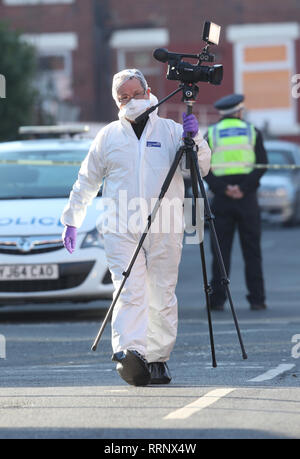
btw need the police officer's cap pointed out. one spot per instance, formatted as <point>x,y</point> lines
<point>230,104</point>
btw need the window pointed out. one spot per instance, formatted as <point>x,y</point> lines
<point>264,63</point>
<point>55,75</point>
<point>134,49</point>
<point>37,180</point>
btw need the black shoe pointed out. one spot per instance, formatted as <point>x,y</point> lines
<point>160,373</point>
<point>258,306</point>
<point>132,367</point>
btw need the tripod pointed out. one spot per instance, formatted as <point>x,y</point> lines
<point>190,92</point>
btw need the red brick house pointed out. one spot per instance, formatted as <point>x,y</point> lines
<point>259,48</point>
<point>72,48</point>
<point>82,43</point>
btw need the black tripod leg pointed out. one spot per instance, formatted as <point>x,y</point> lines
<point>225,280</point>
<point>207,288</point>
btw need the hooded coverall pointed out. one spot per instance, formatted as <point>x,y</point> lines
<point>145,316</point>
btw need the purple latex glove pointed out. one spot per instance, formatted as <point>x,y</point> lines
<point>190,124</point>
<point>69,238</point>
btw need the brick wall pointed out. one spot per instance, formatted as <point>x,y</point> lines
<point>95,20</point>
<point>184,20</point>
<point>189,15</point>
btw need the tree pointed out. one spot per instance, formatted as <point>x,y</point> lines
<point>18,67</point>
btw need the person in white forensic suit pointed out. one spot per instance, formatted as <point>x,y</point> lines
<point>133,160</point>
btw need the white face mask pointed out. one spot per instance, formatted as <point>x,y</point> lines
<point>134,108</point>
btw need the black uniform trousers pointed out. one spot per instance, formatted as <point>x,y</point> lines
<point>242,215</point>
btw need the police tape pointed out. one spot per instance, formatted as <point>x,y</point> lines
<point>255,166</point>
<point>40,162</point>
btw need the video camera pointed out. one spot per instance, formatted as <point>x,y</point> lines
<point>189,73</point>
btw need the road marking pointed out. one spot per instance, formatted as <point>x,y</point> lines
<point>202,402</point>
<point>270,374</point>
<point>116,390</point>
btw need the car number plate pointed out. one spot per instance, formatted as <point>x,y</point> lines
<point>28,272</point>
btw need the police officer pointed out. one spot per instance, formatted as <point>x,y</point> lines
<point>134,157</point>
<point>235,205</point>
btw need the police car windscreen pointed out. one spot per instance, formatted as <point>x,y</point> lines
<point>38,174</point>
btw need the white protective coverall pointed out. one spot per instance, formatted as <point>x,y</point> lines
<point>145,316</point>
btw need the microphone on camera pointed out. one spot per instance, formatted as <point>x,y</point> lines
<point>161,54</point>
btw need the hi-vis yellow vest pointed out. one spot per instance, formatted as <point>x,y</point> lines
<point>232,141</point>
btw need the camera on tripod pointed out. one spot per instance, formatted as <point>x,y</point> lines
<point>189,73</point>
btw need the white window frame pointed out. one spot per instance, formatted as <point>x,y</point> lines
<point>55,44</point>
<point>280,121</point>
<point>131,40</point>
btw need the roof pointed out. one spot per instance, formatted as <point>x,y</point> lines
<point>45,144</point>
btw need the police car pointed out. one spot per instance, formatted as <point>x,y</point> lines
<point>279,191</point>
<point>36,177</point>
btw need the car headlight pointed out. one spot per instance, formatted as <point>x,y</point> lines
<point>279,192</point>
<point>93,238</point>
